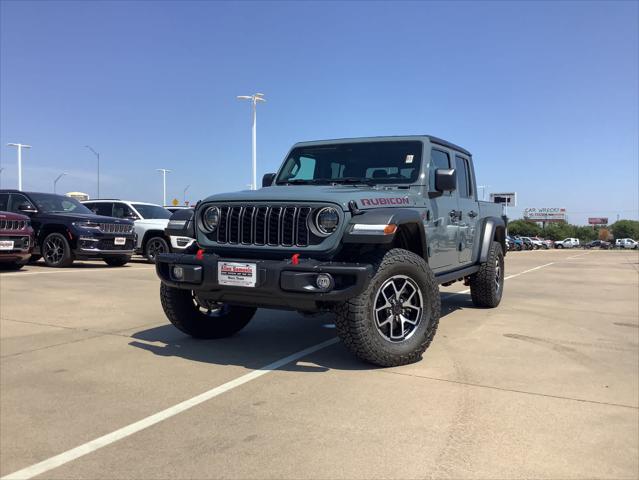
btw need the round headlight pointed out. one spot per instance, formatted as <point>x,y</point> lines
<point>210,218</point>
<point>326,220</point>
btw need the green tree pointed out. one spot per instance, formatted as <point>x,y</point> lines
<point>523,228</point>
<point>625,229</point>
<point>558,231</point>
<point>584,234</point>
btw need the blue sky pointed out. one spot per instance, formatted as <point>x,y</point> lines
<point>544,94</point>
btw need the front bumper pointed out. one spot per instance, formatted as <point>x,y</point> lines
<point>279,283</point>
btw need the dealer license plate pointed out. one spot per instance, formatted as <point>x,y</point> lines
<point>6,244</point>
<point>120,241</point>
<point>237,274</point>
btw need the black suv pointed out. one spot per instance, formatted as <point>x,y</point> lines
<point>66,230</point>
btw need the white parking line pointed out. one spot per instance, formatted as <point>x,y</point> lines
<point>109,438</point>
<point>75,270</point>
<point>505,278</point>
<point>577,256</point>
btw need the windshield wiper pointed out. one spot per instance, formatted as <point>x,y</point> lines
<point>311,181</point>
<point>362,180</point>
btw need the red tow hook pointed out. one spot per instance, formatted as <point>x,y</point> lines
<point>200,254</point>
<point>295,259</point>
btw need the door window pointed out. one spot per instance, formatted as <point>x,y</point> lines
<point>122,210</point>
<point>463,178</point>
<point>438,160</point>
<point>18,199</point>
<point>102,208</point>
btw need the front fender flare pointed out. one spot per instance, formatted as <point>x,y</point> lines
<point>385,216</point>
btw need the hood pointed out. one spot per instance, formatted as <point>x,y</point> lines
<point>12,216</point>
<point>365,196</point>
<point>84,217</point>
<point>153,222</point>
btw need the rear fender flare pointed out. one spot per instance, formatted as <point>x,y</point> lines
<point>493,229</point>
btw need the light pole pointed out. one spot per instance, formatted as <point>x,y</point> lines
<point>97,155</point>
<point>1,168</point>
<point>256,97</point>
<point>19,146</point>
<point>164,172</point>
<point>58,178</point>
<point>184,194</point>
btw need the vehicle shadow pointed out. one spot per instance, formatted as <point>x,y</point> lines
<point>271,335</point>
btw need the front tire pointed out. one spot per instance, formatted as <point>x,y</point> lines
<point>56,251</point>
<point>487,285</point>
<point>155,246</point>
<point>201,319</point>
<point>118,261</point>
<point>394,320</point>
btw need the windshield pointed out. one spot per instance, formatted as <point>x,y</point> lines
<point>151,211</point>
<point>51,203</point>
<point>368,163</point>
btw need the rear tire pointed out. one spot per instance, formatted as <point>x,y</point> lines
<point>118,261</point>
<point>195,317</point>
<point>487,285</point>
<point>56,251</point>
<point>155,246</point>
<point>394,320</point>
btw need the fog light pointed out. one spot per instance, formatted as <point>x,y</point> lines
<point>178,273</point>
<point>324,281</point>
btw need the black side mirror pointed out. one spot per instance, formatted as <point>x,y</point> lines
<point>445,179</point>
<point>27,208</point>
<point>267,179</point>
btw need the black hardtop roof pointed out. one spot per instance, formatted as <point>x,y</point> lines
<point>431,139</point>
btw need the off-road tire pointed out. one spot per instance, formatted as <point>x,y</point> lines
<point>356,320</point>
<point>487,285</point>
<point>149,247</point>
<point>182,311</point>
<point>63,256</point>
<point>118,261</point>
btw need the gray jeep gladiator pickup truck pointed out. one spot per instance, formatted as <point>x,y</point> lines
<point>366,228</point>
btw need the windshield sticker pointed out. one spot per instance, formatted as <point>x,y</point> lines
<point>409,158</point>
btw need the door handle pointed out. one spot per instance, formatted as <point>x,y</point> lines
<point>472,214</point>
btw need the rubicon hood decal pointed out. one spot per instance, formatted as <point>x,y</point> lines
<point>373,202</point>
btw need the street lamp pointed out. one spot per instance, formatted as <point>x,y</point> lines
<point>256,97</point>
<point>164,172</point>
<point>184,194</point>
<point>58,178</point>
<point>19,146</point>
<point>97,155</point>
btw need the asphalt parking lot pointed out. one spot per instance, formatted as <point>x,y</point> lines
<point>545,386</point>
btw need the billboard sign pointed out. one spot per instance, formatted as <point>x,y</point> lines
<point>552,214</point>
<point>597,220</point>
<point>508,199</point>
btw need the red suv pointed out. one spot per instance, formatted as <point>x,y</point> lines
<point>16,240</point>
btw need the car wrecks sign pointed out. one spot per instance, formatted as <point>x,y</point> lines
<point>553,214</point>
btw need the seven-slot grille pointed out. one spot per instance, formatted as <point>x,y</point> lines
<point>116,228</point>
<point>13,224</point>
<point>275,225</point>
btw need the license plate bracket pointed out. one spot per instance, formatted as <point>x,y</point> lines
<point>119,241</point>
<point>7,244</point>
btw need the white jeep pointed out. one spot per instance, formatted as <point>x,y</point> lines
<point>150,221</point>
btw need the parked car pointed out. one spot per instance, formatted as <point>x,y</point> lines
<point>626,243</point>
<point>567,243</point>
<point>598,244</point>
<point>16,239</point>
<point>517,243</point>
<point>65,230</point>
<point>540,242</point>
<point>150,221</point>
<point>528,243</point>
<point>179,228</point>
